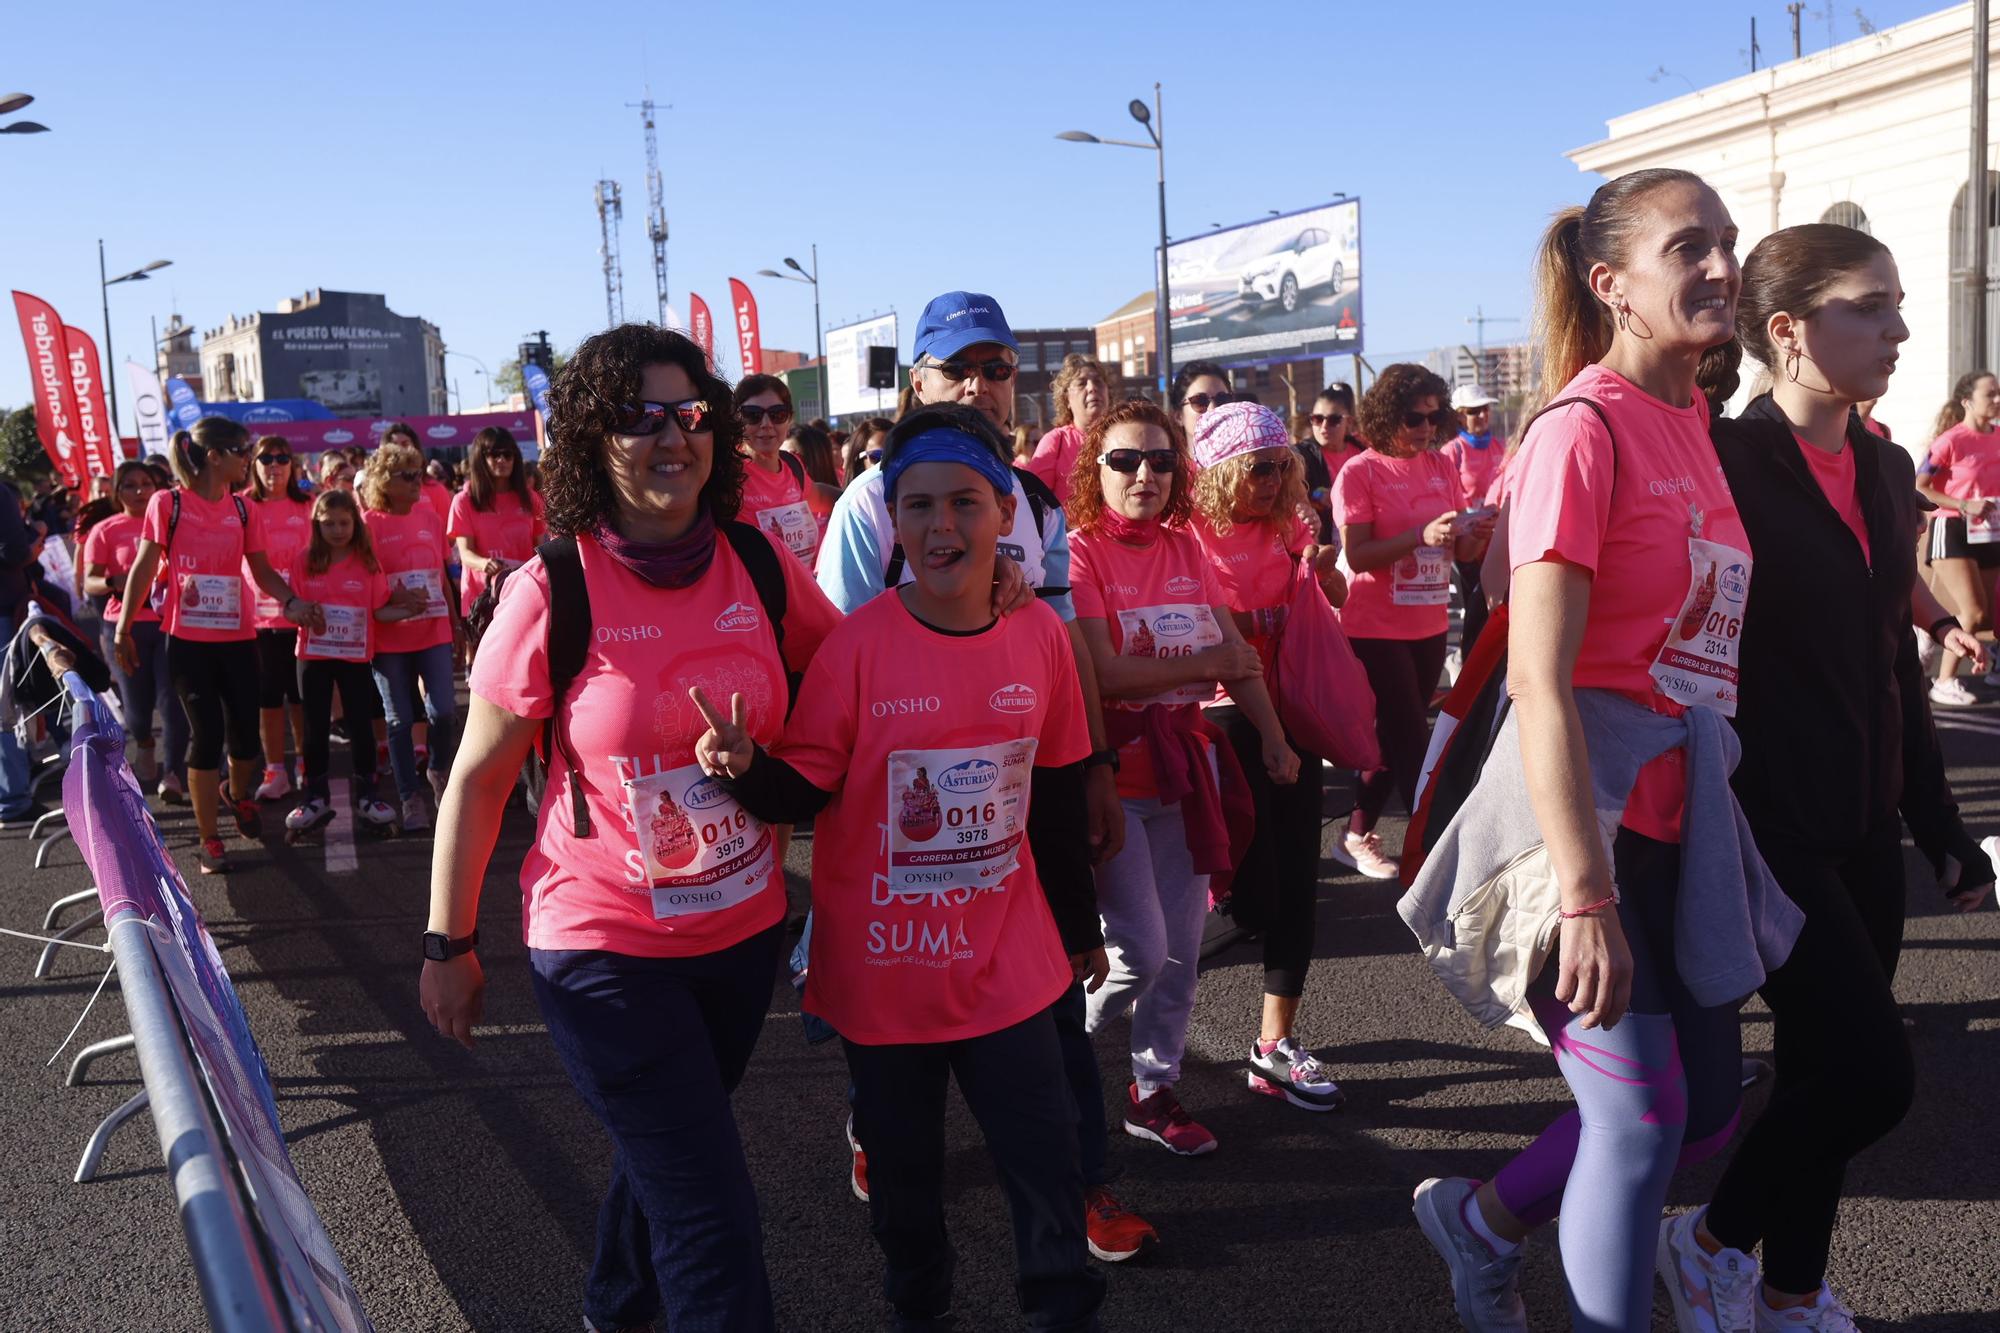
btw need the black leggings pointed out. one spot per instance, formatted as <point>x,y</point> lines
<point>277,668</point>
<point>1404,674</point>
<point>1845,1073</point>
<point>1276,886</point>
<point>217,684</point>
<point>1472,605</point>
<point>317,681</point>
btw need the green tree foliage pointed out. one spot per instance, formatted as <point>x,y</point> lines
<point>21,454</point>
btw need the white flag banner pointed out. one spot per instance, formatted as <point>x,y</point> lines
<point>149,405</point>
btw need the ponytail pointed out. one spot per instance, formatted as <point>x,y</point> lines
<point>1572,325</point>
<point>1953,411</point>
<point>191,448</point>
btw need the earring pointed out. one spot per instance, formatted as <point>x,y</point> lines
<point>1624,319</point>
<point>1792,358</point>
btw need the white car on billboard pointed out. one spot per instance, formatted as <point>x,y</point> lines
<point>1311,259</point>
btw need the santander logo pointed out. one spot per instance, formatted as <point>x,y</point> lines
<point>738,617</point>
<point>1015,698</point>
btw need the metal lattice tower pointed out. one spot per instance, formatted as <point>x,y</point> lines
<point>656,205</point>
<point>610,213</point>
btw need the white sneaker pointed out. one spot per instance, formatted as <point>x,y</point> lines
<point>1825,1315</point>
<point>1485,1289</point>
<point>1951,693</point>
<point>1363,851</point>
<point>1523,1021</point>
<point>376,814</point>
<point>1712,1293</point>
<point>172,790</point>
<point>415,816</point>
<point>1927,648</point>
<point>309,816</point>
<point>277,783</point>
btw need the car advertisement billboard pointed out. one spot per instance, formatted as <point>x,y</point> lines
<point>1284,288</point>
<point>847,368</point>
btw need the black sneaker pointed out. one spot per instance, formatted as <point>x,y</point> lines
<point>249,819</point>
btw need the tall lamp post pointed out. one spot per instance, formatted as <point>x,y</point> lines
<point>482,370</point>
<point>798,274</point>
<point>106,284</point>
<point>12,102</point>
<point>1154,123</point>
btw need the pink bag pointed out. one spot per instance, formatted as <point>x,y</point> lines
<point>1318,684</point>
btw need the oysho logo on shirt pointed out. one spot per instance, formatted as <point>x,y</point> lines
<point>633,633</point>
<point>1180,585</point>
<point>738,617</point>
<point>1015,698</point>
<point>1672,486</point>
<point>928,703</point>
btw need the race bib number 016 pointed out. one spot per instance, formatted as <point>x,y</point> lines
<point>429,582</point>
<point>1421,578</point>
<point>957,818</point>
<point>702,851</point>
<point>212,601</point>
<point>1698,664</point>
<point>346,636</point>
<point>1179,630</point>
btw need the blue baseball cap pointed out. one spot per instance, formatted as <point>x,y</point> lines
<point>955,321</point>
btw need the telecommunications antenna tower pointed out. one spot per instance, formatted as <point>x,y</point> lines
<point>656,203</point>
<point>610,213</point>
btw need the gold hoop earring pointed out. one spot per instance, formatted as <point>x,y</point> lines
<point>1624,319</point>
<point>1792,364</point>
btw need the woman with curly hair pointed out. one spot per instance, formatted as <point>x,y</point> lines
<point>1398,506</point>
<point>651,950</point>
<point>1248,501</point>
<point>1082,392</point>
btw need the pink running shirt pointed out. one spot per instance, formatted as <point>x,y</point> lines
<point>775,504</point>
<point>208,599</point>
<point>287,527</point>
<point>1835,475</point>
<point>349,593</point>
<point>410,549</point>
<point>507,531</point>
<point>1967,463</point>
<point>113,542</point>
<point>1395,495</point>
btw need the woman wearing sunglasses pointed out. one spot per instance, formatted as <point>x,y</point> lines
<point>278,492</point>
<point>863,449</point>
<point>1249,503</point>
<point>435,493</point>
<point>1161,637</point>
<point>408,537</point>
<point>1198,387</point>
<point>496,520</point>
<point>1401,524</point>
<point>779,498</point>
<point>652,951</point>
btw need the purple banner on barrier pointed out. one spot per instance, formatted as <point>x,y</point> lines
<point>135,877</point>
<point>436,432</point>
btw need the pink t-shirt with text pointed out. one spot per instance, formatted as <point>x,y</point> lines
<point>287,528</point>
<point>410,549</point>
<point>508,531</point>
<point>1835,475</point>
<point>1394,495</point>
<point>349,593</point>
<point>775,504</point>
<point>1055,459</point>
<point>628,718</point>
<point>1476,466</point>
<point>113,542</point>
<point>1967,463</point>
<point>1253,567</point>
<point>208,599</point>
<point>1631,536</point>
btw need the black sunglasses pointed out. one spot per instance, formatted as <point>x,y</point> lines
<point>649,418</point>
<point>1201,402</point>
<point>778,413</point>
<point>233,450</point>
<point>995,371</point>
<point>1264,467</point>
<point>1328,418</point>
<point>406,476</point>
<point>874,455</point>
<point>269,459</point>
<point>1127,460</point>
<point>1412,420</point>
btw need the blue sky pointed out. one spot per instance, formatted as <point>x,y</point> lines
<point>444,153</point>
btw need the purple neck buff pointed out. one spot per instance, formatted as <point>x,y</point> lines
<point>674,564</point>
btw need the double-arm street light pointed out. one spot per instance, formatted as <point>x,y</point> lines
<point>798,274</point>
<point>12,102</point>
<point>110,366</point>
<point>1152,120</point>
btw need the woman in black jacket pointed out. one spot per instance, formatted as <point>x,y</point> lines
<point>1837,742</point>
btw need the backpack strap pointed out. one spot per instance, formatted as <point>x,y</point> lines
<point>760,559</point>
<point>568,648</point>
<point>793,465</point>
<point>173,519</point>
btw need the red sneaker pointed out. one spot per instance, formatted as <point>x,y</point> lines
<point>857,1178</point>
<point>1115,1233</point>
<point>214,857</point>
<point>1161,1119</point>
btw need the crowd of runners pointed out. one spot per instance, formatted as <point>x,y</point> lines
<point>1043,705</point>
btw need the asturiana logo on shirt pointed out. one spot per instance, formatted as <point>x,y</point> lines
<point>974,775</point>
<point>738,617</point>
<point>1015,698</point>
<point>1173,625</point>
<point>1180,585</point>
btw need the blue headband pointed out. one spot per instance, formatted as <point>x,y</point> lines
<point>945,444</point>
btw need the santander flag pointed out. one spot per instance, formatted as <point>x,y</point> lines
<point>748,340</point>
<point>702,327</point>
<point>93,421</point>
<point>55,401</point>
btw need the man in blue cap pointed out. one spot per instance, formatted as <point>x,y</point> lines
<point>966,353</point>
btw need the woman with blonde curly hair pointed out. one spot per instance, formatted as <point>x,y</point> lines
<point>1160,634</point>
<point>1082,392</point>
<point>1247,502</point>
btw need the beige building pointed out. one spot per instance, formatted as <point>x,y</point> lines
<point>1873,133</point>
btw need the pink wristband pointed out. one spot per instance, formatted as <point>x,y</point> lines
<point>1587,909</point>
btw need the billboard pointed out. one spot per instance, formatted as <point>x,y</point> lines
<point>1280,289</point>
<point>847,368</point>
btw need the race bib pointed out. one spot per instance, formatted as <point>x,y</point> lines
<point>792,525</point>
<point>1698,664</point>
<point>703,852</point>
<point>346,635</point>
<point>1981,531</point>
<point>430,582</point>
<point>211,601</point>
<point>957,818</point>
<point>1421,578</point>
<point>1177,630</point>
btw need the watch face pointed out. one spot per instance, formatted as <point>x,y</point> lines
<point>436,947</point>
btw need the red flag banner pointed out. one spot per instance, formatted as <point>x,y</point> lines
<point>748,339</point>
<point>93,420</point>
<point>55,404</point>
<point>702,326</point>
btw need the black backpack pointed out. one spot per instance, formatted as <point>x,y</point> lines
<point>569,643</point>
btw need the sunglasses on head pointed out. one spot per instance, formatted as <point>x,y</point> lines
<point>1416,420</point>
<point>649,418</point>
<point>1127,460</point>
<point>778,413</point>
<point>1264,467</point>
<point>271,460</point>
<point>1328,418</point>
<point>1201,402</point>
<point>994,371</point>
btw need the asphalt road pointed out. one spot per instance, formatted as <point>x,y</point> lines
<point>460,1187</point>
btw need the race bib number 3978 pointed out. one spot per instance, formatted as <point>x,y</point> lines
<point>957,818</point>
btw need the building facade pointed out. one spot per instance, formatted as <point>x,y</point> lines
<point>1874,134</point>
<point>346,350</point>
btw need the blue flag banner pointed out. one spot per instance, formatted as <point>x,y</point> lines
<point>537,381</point>
<point>183,408</point>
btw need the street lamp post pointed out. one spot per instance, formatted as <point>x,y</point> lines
<point>105,285</point>
<point>819,344</point>
<point>482,370</point>
<point>12,102</point>
<point>1155,129</point>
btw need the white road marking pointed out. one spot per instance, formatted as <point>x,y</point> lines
<point>340,859</point>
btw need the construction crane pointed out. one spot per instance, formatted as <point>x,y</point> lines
<point>656,203</point>
<point>610,214</point>
<point>1480,319</point>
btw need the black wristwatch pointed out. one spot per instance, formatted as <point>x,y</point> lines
<point>439,947</point>
<point>1108,758</point>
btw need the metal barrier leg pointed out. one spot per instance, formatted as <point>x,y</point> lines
<point>49,845</point>
<point>69,932</point>
<point>36,831</point>
<point>90,1055</point>
<point>93,1151</point>
<point>53,770</point>
<point>60,905</point>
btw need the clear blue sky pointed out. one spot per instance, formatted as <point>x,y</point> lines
<point>444,154</point>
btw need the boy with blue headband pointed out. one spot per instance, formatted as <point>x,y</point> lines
<point>940,749</point>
